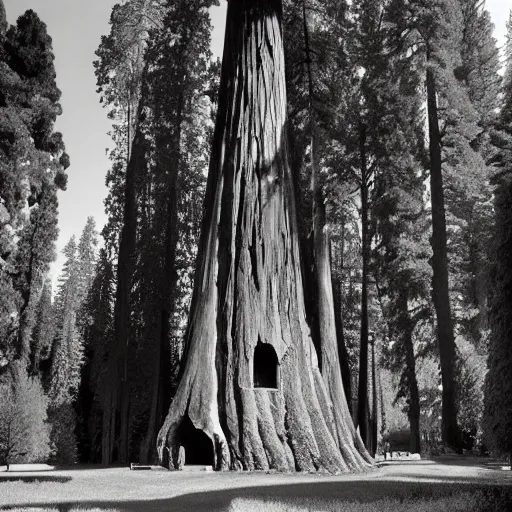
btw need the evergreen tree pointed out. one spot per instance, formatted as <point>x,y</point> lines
<point>32,168</point>
<point>433,31</point>
<point>162,193</point>
<point>96,332</point>
<point>66,352</point>
<point>86,253</point>
<point>498,384</point>
<point>24,431</point>
<point>399,223</point>
<point>44,333</point>
<point>3,19</point>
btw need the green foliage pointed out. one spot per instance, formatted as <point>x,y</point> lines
<point>24,431</point>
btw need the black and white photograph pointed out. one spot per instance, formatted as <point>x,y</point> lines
<point>256,255</point>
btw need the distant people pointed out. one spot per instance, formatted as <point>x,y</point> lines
<point>387,450</point>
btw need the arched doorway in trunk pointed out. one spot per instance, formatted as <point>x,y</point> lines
<point>266,366</point>
<point>198,446</point>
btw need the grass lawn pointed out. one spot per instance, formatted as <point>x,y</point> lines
<point>451,486</point>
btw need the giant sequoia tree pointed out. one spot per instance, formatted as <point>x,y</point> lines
<point>32,167</point>
<point>247,324</point>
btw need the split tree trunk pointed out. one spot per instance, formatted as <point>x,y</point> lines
<point>248,286</point>
<point>440,290</point>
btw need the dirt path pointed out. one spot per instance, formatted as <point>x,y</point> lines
<point>160,490</point>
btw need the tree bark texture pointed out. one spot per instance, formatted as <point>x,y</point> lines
<point>440,290</point>
<point>248,286</point>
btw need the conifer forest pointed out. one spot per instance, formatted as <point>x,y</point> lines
<point>307,258</point>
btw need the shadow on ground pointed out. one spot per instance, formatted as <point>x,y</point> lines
<point>351,491</point>
<point>30,479</point>
<point>457,460</point>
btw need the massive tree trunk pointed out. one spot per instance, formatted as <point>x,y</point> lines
<point>248,295</point>
<point>362,394</point>
<point>440,290</point>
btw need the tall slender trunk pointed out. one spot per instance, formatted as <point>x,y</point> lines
<point>414,395</point>
<point>440,290</point>
<point>342,347</point>
<point>405,330</point>
<point>375,414</point>
<point>118,419</point>
<point>362,395</point>
<point>161,396</point>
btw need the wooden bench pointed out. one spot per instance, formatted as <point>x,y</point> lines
<point>134,466</point>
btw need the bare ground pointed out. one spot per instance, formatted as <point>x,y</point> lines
<point>160,490</point>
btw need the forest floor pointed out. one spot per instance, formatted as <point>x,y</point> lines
<point>119,489</point>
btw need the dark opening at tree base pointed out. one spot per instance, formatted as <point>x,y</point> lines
<point>198,446</point>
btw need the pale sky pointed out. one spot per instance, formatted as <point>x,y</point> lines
<point>76,27</point>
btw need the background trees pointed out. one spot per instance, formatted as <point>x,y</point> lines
<point>157,203</point>
<point>498,408</point>
<point>24,431</point>
<point>33,165</point>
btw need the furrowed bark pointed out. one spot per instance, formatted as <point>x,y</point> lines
<point>248,287</point>
<point>440,290</point>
